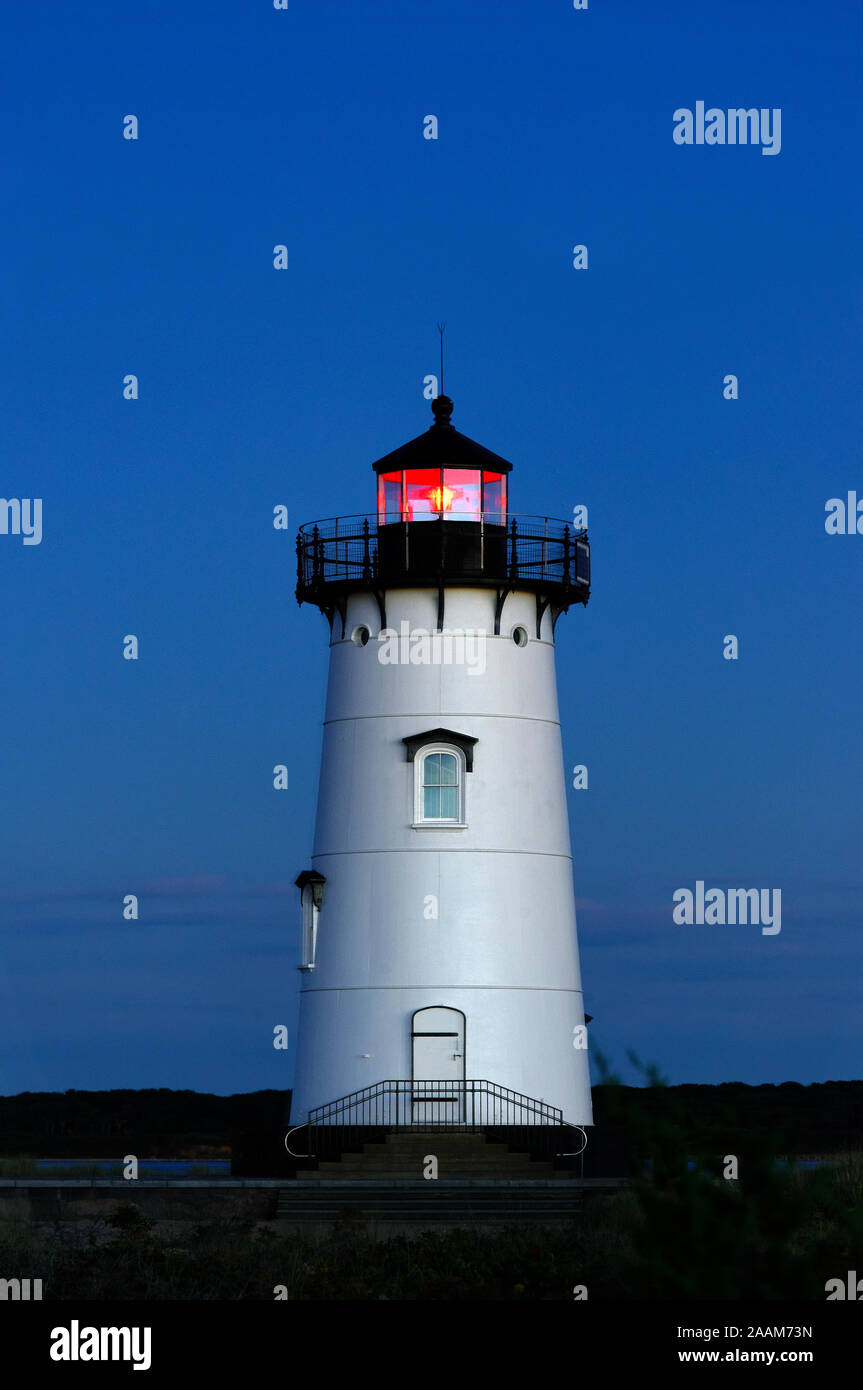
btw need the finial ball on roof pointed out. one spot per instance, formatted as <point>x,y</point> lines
<point>441,409</point>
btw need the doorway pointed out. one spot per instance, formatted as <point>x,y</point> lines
<point>438,1066</point>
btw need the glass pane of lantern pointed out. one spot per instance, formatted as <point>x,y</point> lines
<point>494,498</point>
<point>448,772</point>
<point>448,803</point>
<point>389,497</point>
<point>461,493</point>
<point>422,493</point>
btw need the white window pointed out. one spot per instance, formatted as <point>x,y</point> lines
<point>439,785</point>
<point>310,929</point>
<point>442,758</point>
<point>311,886</point>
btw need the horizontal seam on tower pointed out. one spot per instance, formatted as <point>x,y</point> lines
<point>444,714</point>
<point>489,636</point>
<point>531,989</point>
<point>448,849</point>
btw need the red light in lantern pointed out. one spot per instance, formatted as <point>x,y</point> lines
<point>441,498</point>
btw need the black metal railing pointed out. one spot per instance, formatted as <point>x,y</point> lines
<point>428,1105</point>
<point>355,551</point>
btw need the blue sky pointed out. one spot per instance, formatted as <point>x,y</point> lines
<point>260,387</point>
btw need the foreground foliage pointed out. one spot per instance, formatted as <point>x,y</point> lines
<point>770,1235</point>
<point>683,1229</point>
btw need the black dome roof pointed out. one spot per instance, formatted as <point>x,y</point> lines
<point>441,446</point>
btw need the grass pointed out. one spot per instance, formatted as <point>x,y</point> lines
<point>770,1233</point>
<point>768,1236</point>
<point>23,1166</point>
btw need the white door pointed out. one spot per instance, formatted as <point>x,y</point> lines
<point>437,1040</point>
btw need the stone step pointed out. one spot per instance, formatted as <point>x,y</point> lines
<point>378,1204</point>
<point>386,1174</point>
<point>502,1210</point>
<point>485,1151</point>
<point>417,1161</point>
<point>460,1154</point>
<point>329,1172</point>
<point>310,1202</point>
<point>445,1139</point>
<point>426,1217</point>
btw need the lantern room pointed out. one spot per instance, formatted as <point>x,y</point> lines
<point>443,518</point>
<point>442,476</point>
<point>428,494</point>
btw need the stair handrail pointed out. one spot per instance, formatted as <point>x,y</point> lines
<point>583,1134</point>
<point>288,1148</point>
<point>354,1099</point>
<point>367,1094</point>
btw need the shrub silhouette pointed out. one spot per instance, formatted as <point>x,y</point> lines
<point>770,1233</point>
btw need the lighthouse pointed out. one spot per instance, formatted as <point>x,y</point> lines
<point>440,972</point>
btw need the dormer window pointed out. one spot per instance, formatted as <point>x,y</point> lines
<point>440,782</point>
<point>441,760</point>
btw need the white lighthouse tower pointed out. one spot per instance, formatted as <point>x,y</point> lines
<point>441,981</point>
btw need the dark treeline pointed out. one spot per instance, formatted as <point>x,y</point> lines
<point>150,1124</point>
<point>823,1117</point>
